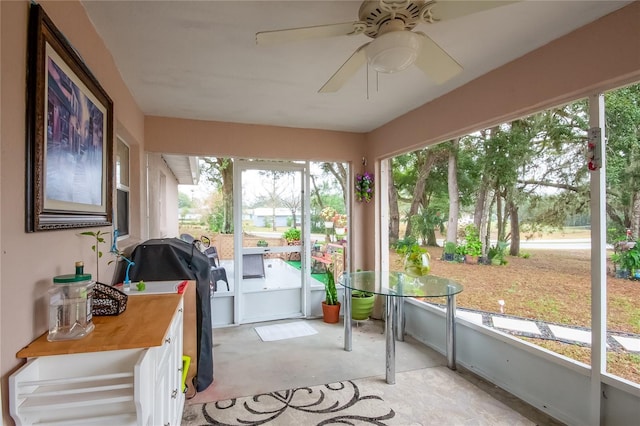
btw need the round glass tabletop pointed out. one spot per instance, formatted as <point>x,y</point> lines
<point>399,284</point>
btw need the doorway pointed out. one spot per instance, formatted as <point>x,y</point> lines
<point>271,229</point>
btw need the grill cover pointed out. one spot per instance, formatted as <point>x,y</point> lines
<point>173,259</point>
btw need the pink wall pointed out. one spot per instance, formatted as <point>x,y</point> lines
<point>601,55</point>
<point>194,137</point>
<point>175,135</point>
<point>29,261</point>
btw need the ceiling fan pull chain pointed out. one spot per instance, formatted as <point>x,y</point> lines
<point>367,81</point>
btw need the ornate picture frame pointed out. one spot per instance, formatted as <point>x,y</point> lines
<point>69,172</point>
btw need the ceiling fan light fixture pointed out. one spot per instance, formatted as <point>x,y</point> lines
<point>393,51</point>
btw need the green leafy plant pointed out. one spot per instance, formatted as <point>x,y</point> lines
<point>473,246</point>
<point>628,260</point>
<point>415,260</point>
<point>361,294</point>
<point>141,286</point>
<point>497,253</point>
<point>292,234</point>
<point>262,243</point>
<point>401,246</point>
<point>98,237</point>
<point>331,294</point>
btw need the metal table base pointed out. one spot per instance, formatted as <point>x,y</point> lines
<point>394,329</point>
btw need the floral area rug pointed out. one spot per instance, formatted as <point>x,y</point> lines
<point>335,403</point>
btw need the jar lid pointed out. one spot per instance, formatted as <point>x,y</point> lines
<point>71,278</point>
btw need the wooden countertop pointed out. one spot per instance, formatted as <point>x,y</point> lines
<point>143,324</point>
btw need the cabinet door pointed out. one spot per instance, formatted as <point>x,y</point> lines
<point>144,390</point>
<point>169,400</point>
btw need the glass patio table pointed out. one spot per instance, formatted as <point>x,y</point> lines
<point>395,286</point>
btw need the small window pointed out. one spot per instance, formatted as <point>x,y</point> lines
<point>122,188</point>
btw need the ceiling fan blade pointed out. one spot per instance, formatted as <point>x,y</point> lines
<point>435,62</point>
<point>346,71</point>
<point>444,10</point>
<point>265,38</point>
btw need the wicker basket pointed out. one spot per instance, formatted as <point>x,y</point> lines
<point>108,300</point>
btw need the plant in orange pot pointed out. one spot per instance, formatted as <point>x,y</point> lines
<point>330,306</point>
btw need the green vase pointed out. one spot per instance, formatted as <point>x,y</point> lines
<point>361,305</point>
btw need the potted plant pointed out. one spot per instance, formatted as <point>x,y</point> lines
<point>417,261</point>
<point>449,251</point>
<point>327,215</point>
<point>361,304</point>
<point>627,262</point>
<point>340,223</point>
<point>330,305</point>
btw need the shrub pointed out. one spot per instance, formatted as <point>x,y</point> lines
<point>292,234</point>
<point>472,239</point>
<point>497,253</point>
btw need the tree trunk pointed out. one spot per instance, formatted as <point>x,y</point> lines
<point>225,165</point>
<point>481,200</point>
<point>316,192</point>
<point>418,190</point>
<point>394,215</point>
<point>484,231</point>
<point>431,238</point>
<point>514,249</point>
<point>454,200</point>
<point>499,215</point>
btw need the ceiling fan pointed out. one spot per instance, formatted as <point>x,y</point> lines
<point>395,46</point>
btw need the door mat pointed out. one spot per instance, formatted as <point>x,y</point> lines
<point>269,333</point>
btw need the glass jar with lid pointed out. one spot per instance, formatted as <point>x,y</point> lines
<point>70,307</point>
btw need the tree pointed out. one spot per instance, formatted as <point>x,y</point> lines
<point>184,201</point>
<point>424,225</point>
<point>219,171</point>
<point>427,159</point>
<point>273,191</point>
<point>339,172</point>
<point>394,214</point>
<point>622,109</point>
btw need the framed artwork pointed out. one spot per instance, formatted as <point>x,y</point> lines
<point>69,135</point>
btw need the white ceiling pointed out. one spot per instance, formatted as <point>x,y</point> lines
<point>199,59</point>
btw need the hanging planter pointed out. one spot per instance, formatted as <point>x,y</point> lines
<point>364,187</point>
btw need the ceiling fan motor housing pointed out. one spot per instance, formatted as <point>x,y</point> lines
<point>409,13</point>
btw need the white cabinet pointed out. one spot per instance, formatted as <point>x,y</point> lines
<point>139,386</point>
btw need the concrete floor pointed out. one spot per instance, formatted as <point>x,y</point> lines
<point>244,365</point>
